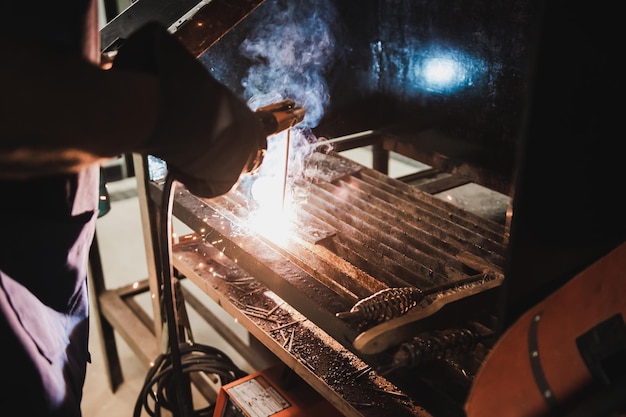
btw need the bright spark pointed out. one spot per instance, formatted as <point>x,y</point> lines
<point>273,218</point>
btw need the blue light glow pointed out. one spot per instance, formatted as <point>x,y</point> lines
<point>442,73</point>
<point>412,69</point>
<point>445,71</point>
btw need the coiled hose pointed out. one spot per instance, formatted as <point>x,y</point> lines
<point>167,384</point>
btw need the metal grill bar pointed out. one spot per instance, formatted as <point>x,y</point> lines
<point>371,232</point>
<point>423,210</point>
<point>379,226</point>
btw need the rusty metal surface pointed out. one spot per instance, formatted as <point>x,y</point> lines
<point>197,24</point>
<point>350,384</point>
<point>212,21</point>
<point>373,232</point>
<point>359,232</point>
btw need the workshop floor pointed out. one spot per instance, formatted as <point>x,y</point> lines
<point>120,238</point>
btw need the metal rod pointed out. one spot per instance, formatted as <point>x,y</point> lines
<point>342,138</point>
<point>282,204</point>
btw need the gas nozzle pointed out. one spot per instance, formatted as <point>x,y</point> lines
<point>279,116</point>
<point>275,118</point>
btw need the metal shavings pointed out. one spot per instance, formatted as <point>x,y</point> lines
<point>235,301</point>
<point>304,362</point>
<point>253,311</point>
<point>257,309</point>
<point>241,279</point>
<point>360,404</point>
<point>394,393</point>
<point>286,338</point>
<point>290,340</point>
<point>274,309</point>
<point>247,290</point>
<point>291,323</point>
<point>360,372</point>
<point>257,315</point>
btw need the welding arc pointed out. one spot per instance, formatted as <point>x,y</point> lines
<point>277,117</point>
<point>389,303</point>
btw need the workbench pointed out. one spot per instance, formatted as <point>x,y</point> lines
<point>346,381</point>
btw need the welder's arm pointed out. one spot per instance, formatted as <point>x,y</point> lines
<point>59,113</point>
<point>205,133</point>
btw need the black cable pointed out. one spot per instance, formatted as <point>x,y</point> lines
<point>159,387</point>
<point>164,233</point>
<point>167,383</point>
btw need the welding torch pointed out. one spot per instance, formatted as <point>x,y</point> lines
<point>274,118</point>
<point>279,116</point>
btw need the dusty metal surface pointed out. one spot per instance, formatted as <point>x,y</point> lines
<point>345,380</point>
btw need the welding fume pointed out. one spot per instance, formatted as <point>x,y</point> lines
<point>214,173</point>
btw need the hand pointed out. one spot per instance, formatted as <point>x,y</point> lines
<point>206,134</point>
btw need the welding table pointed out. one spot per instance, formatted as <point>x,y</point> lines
<point>283,319</point>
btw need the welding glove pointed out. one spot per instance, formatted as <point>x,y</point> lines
<point>207,135</point>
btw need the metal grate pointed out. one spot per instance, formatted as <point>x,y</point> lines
<point>357,232</point>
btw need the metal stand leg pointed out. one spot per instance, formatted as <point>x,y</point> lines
<point>107,334</point>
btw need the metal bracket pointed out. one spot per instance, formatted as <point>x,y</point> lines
<point>535,364</point>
